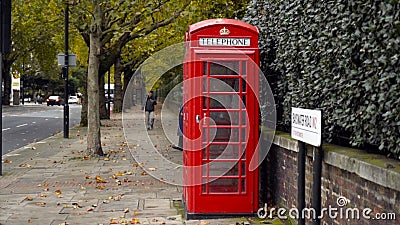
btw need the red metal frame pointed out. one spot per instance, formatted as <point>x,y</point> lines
<point>206,191</point>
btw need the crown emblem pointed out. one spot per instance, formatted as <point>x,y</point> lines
<point>224,31</point>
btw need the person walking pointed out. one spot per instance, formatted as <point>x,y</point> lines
<point>149,110</point>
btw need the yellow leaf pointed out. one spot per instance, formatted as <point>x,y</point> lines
<point>119,174</point>
<point>135,221</point>
<point>28,198</point>
<point>25,165</point>
<point>57,192</point>
<point>41,203</point>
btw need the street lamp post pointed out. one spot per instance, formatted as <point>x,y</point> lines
<point>65,74</point>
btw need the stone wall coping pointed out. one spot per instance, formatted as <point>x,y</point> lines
<point>372,167</point>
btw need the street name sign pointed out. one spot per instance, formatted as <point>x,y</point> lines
<point>307,126</point>
<point>71,59</point>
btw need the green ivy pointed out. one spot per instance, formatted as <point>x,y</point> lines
<point>341,56</point>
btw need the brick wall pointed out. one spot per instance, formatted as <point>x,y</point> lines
<point>344,174</point>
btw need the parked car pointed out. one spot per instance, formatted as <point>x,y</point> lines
<point>73,99</point>
<point>54,100</point>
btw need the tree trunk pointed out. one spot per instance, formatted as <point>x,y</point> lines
<point>118,94</point>
<point>102,98</point>
<point>84,111</point>
<point>93,134</point>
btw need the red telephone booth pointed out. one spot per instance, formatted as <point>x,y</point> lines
<point>220,119</point>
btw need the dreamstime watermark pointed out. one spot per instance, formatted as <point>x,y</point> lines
<point>340,212</point>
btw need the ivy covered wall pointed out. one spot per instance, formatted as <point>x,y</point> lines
<point>341,56</point>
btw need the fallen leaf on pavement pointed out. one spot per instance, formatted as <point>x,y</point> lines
<point>7,161</point>
<point>118,197</point>
<point>135,221</point>
<point>25,165</point>
<point>58,192</point>
<point>40,204</point>
<point>113,221</point>
<point>76,205</point>
<point>100,180</point>
<point>65,223</point>
<point>152,169</point>
<point>126,210</point>
<point>28,198</point>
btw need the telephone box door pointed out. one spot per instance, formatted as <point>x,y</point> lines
<point>226,122</point>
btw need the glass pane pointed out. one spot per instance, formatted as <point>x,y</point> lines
<point>244,135</point>
<point>222,185</point>
<point>244,85</point>
<point>205,84</point>
<point>224,85</point>
<point>243,185</point>
<point>225,118</point>
<point>204,134</point>
<point>243,103</point>
<point>243,169</point>
<point>205,68</point>
<point>223,169</point>
<point>244,67</point>
<point>244,118</point>
<point>224,151</point>
<point>224,68</point>
<point>224,101</point>
<point>224,135</point>
<point>204,185</point>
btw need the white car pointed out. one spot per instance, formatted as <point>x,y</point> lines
<point>73,100</point>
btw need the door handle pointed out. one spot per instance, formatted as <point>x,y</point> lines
<point>197,118</point>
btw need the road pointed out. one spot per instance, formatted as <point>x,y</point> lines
<point>27,124</point>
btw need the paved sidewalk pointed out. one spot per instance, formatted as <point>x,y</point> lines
<point>52,182</point>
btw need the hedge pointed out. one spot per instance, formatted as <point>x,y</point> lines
<point>341,56</point>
